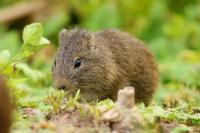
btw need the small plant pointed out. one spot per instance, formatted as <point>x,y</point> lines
<point>32,40</point>
<point>73,101</point>
<point>55,100</point>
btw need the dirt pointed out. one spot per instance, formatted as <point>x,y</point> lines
<point>122,118</point>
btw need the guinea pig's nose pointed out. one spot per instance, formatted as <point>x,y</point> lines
<point>61,87</point>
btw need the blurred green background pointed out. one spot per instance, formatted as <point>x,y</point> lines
<point>170,28</point>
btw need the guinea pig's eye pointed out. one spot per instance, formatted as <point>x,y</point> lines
<point>77,63</point>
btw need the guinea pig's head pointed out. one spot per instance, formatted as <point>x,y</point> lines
<point>79,64</point>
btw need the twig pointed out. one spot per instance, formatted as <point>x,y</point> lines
<point>21,10</point>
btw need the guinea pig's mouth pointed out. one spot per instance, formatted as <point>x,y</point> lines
<point>70,88</point>
<point>65,88</point>
<point>61,87</point>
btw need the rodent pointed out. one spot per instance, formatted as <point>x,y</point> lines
<point>5,107</point>
<point>100,63</point>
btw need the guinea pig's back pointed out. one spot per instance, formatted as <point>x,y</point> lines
<point>134,61</point>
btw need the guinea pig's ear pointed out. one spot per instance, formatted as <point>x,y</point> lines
<point>62,36</point>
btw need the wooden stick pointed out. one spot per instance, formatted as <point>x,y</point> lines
<point>21,10</point>
<point>5,107</point>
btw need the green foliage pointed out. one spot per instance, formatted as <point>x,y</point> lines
<point>180,130</point>
<point>176,114</point>
<point>32,36</point>
<point>98,19</point>
<point>10,41</point>
<point>73,101</point>
<point>55,99</point>
<point>107,104</point>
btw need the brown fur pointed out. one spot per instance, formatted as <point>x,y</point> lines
<point>5,108</point>
<point>111,60</point>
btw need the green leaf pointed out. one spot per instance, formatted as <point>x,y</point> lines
<point>4,56</point>
<point>32,33</point>
<point>182,129</point>
<point>34,75</point>
<point>10,41</point>
<point>43,41</point>
<point>25,54</point>
<point>77,95</point>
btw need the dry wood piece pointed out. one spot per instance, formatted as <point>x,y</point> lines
<point>124,117</point>
<point>5,108</point>
<point>21,10</point>
<point>126,97</point>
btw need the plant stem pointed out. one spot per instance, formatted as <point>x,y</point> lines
<point>14,58</point>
